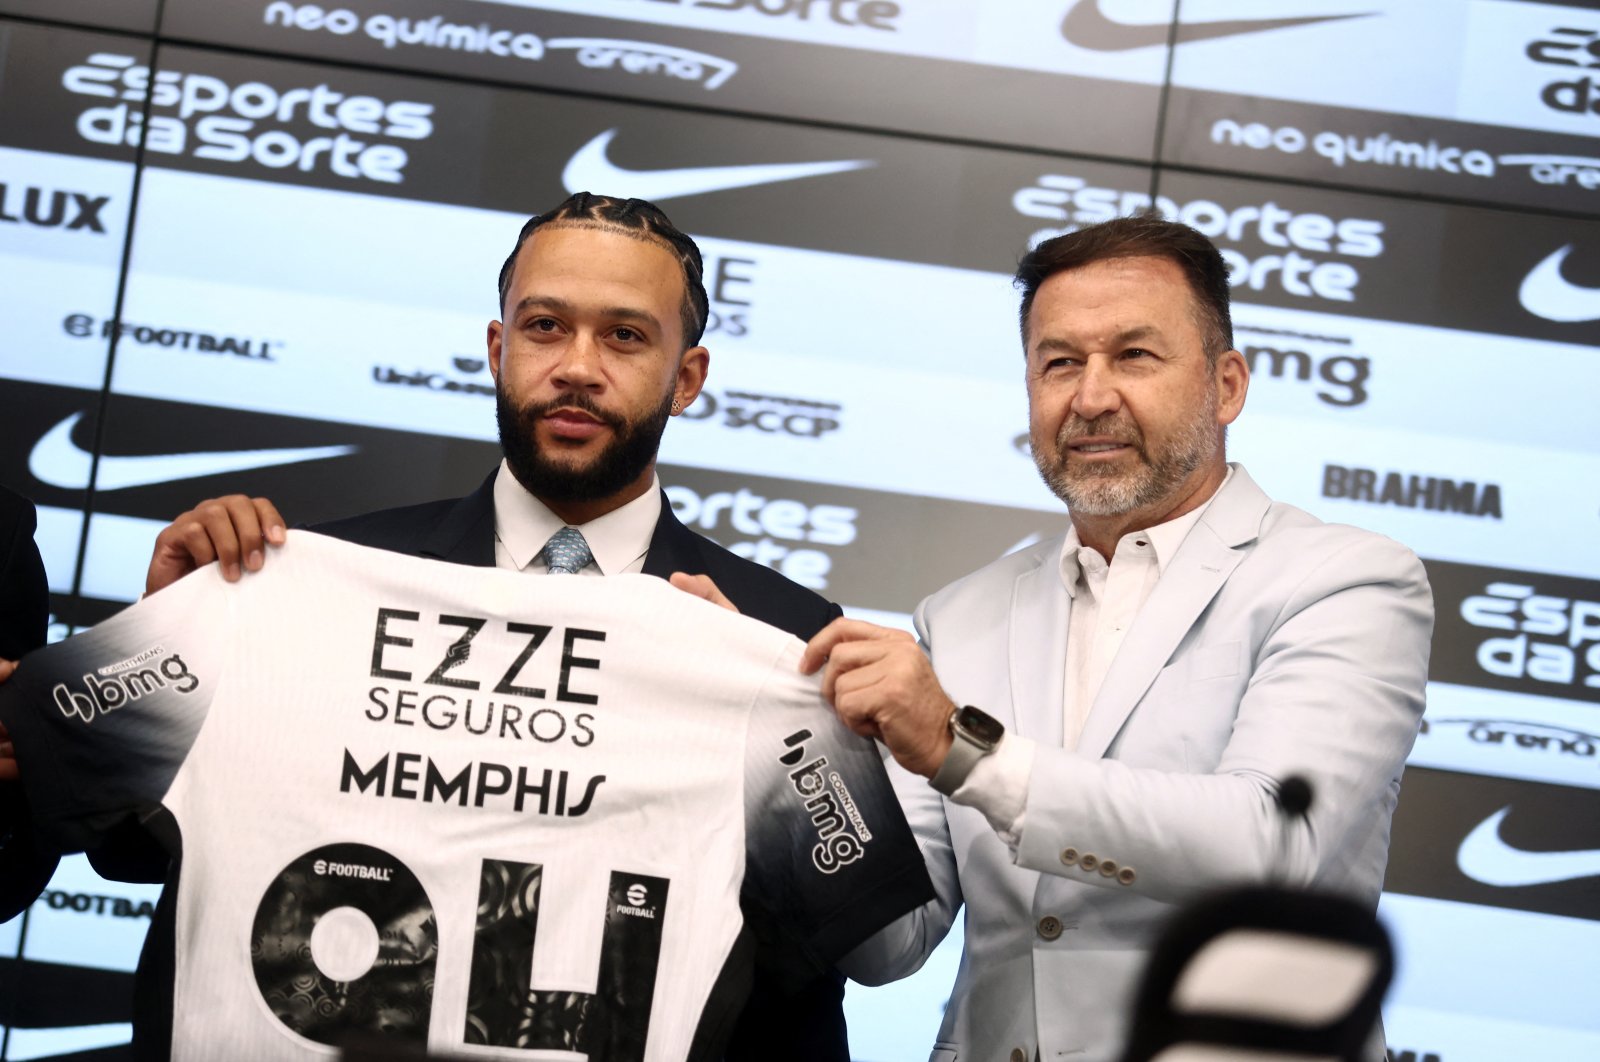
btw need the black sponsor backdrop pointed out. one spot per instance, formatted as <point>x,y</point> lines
<point>1439,810</point>
<point>508,150</point>
<point>858,549</point>
<point>922,200</point>
<point>1442,265</point>
<point>1527,632</point>
<point>100,14</point>
<point>1401,266</point>
<point>1327,144</point>
<point>35,111</point>
<point>51,50</point>
<point>48,115</point>
<point>861,87</point>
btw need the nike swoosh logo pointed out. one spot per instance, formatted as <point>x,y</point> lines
<point>1485,857</point>
<point>1548,294</point>
<point>1086,26</point>
<point>589,170</point>
<point>60,462</point>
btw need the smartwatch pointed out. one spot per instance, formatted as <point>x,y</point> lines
<point>974,735</point>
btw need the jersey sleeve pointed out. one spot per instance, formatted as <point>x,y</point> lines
<point>830,859</point>
<point>102,721</point>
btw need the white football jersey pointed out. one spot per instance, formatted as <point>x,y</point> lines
<point>501,816</point>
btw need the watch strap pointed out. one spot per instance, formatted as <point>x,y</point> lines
<point>964,754</point>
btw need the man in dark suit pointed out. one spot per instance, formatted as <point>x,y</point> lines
<point>603,307</point>
<point>25,869</point>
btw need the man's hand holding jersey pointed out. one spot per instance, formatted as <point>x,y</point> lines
<point>880,682</point>
<point>234,531</point>
<point>8,752</point>
<point>237,531</point>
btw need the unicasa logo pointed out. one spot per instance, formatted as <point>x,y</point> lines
<point>223,120</point>
<point>119,685</point>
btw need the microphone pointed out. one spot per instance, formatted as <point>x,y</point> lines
<point>1294,798</point>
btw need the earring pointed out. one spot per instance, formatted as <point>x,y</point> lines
<point>676,407</point>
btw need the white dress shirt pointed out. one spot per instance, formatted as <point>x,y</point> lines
<point>523,524</point>
<point>1106,599</point>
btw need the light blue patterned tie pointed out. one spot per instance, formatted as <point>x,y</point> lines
<point>567,553</point>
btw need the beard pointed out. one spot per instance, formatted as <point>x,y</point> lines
<point>1105,490</point>
<point>632,447</point>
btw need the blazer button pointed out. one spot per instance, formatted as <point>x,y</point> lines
<point>1018,1055</point>
<point>1069,856</point>
<point>1126,875</point>
<point>1088,861</point>
<point>1049,927</point>
<point>1108,867</point>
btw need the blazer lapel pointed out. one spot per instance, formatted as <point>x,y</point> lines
<point>466,533</point>
<point>1202,564</point>
<point>673,547</point>
<point>1037,642</point>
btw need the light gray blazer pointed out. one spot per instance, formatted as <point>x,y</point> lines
<point>1273,644</point>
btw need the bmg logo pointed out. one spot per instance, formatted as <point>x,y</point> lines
<point>119,685</point>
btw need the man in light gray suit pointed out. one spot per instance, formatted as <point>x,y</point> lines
<point>1132,693</point>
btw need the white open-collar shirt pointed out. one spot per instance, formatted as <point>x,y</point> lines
<point>1107,597</point>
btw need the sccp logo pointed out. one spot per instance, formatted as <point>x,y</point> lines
<point>800,418</point>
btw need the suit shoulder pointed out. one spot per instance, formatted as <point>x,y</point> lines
<point>990,587</point>
<point>16,513</point>
<point>764,594</point>
<point>402,529</point>
<point>1292,540</point>
<point>1287,527</point>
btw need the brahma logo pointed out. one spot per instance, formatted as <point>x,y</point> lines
<point>118,685</point>
<point>1064,198</point>
<point>223,122</point>
<point>1434,494</point>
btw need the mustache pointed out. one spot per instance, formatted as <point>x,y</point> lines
<point>584,403</point>
<point>1108,425</point>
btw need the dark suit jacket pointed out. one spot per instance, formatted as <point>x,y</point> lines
<point>805,1025</point>
<point>462,530</point>
<point>25,868</point>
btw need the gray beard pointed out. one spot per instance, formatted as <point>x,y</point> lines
<point>1096,490</point>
